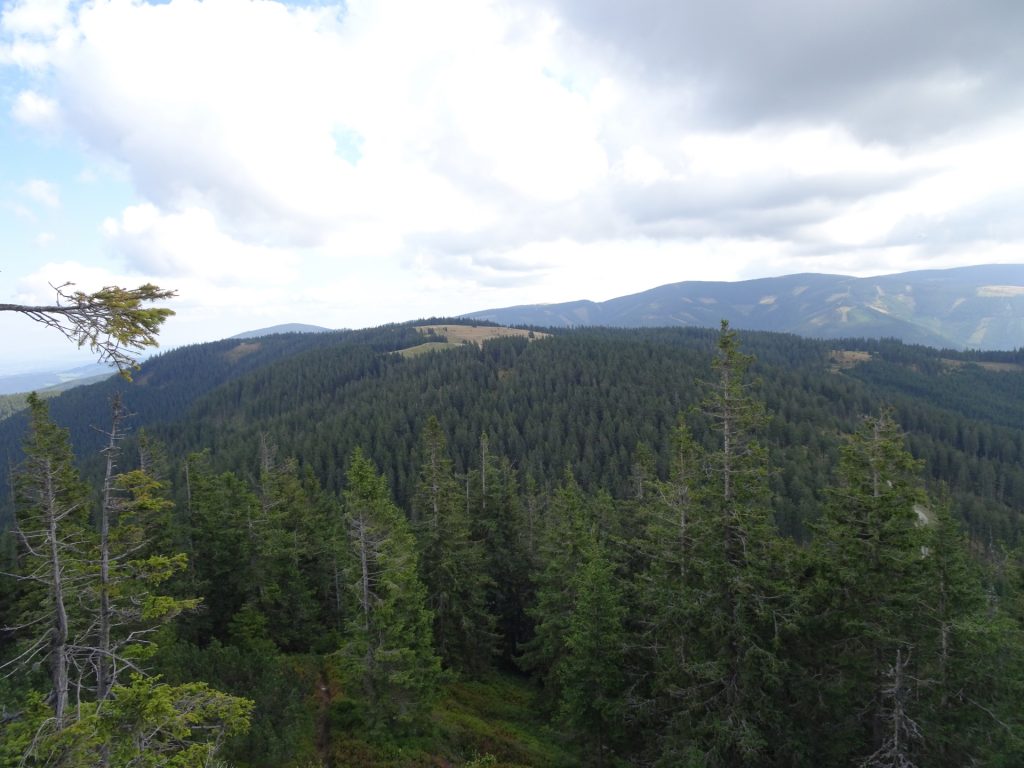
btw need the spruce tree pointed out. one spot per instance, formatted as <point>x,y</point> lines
<point>724,698</point>
<point>387,646</point>
<point>451,560</point>
<point>286,550</point>
<point>96,599</point>
<point>52,527</point>
<point>872,590</point>
<point>664,609</point>
<point>506,529</point>
<point>566,536</point>
<point>970,656</point>
<point>590,675</point>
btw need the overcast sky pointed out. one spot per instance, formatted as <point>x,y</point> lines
<point>349,165</point>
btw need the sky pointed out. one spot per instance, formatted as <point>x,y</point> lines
<point>348,165</point>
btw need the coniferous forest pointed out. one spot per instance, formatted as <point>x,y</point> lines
<point>658,547</point>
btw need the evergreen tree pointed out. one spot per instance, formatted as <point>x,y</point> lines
<point>664,614</point>
<point>728,692</point>
<point>506,530</point>
<point>145,723</point>
<point>124,595</point>
<point>52,526</point>
<point>223,514</point>
<point>566,536</point>
<point>869,552</point>
<point>95,597</point>
<point>970,656</point>
<point>591,675</point>
<point>112,321</point>
<point>387,646</point>
<point>286,532</point>
<point>451,560</point>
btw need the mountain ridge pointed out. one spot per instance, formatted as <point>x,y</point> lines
<point>977,307</point>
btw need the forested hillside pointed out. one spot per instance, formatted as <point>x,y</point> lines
<point>674,553</point>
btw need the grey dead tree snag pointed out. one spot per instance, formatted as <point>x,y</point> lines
<point>901,731</point>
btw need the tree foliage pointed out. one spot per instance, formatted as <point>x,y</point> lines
<point>113,321</point>
<point>387,646</point>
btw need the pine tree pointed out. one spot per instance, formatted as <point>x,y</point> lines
<point>388,645</point>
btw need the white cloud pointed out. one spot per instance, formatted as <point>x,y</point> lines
<point>44,239</point>
<point>35,110</point>
<point>293,124</point>
<point>35,17</point>
<point>42,192</point>
<point>37,287</point>
<point>190,245</point>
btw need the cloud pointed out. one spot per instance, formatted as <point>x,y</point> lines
<point>35,110</point>
<point>189,244</point>
<point>898,72</point>
<point>35,17</point>
<point>379,112</point>
<point>36,287</point>
<point>42,192</point>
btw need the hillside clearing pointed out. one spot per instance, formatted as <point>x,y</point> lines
<point>457,335</point>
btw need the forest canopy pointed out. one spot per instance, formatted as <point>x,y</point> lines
<point>656,548</point>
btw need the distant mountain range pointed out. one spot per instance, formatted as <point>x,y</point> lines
<point>979,307</point>
<point>62,379</point>
<point>284,328</point>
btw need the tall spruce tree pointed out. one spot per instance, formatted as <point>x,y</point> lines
<point>286,551</point>
<point>567,534</point>
<point>969,656</point>
<point>873,587</point>
<point>52,526</point>
<point>124,594</point>
<point>223,516</point>
<point>590,675</point>
<point>506,529</point>
<point>387,645</point>
<point>451,560</point>
<point>664,614</point>
<point>725,697</point>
